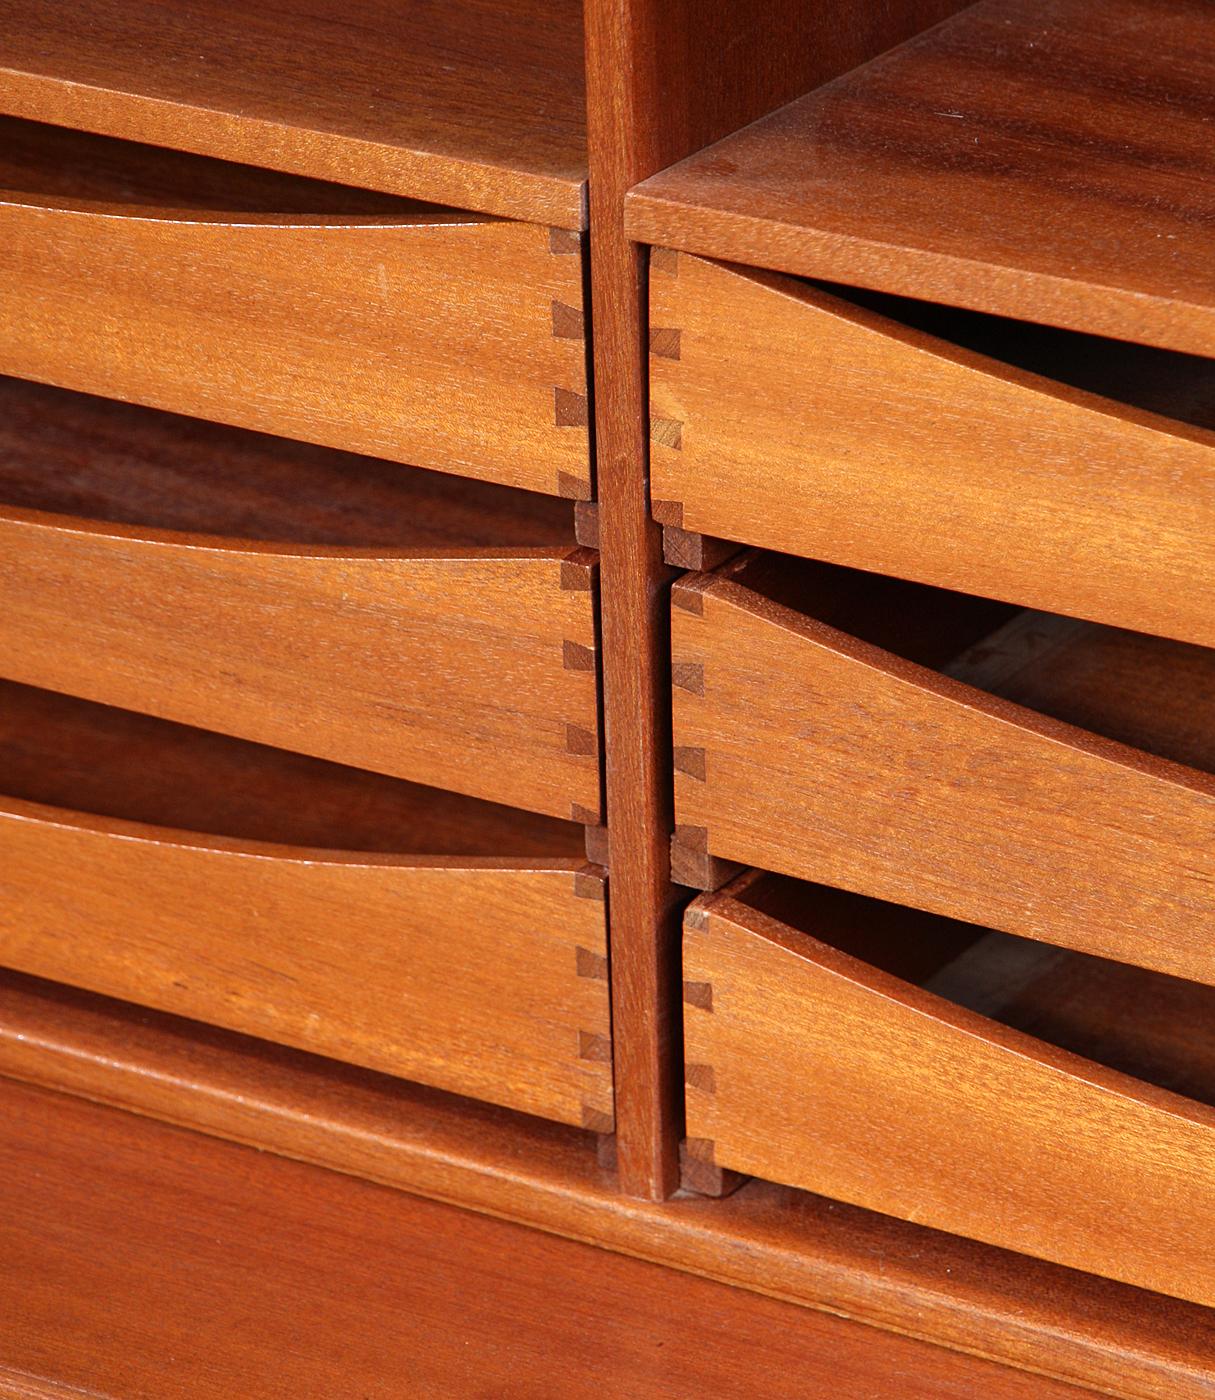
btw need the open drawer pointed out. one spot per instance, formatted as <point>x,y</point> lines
<point>388,925</point>
<point>1043,467</point>
<point>411,332</point>
<point>1027,1096</point>
<point>404,621</point>
<point>1023,771</point>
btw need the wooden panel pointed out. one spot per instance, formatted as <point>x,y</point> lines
<point>658,90</point>
<point>1048,159</point>
<point>142,1235</point>
<point>975,475</point>
<point>462,103</point>
<point>391,663</point>
<point>426,337</point>
<point>820,1070</point>
<point>765,1238</point>
<point>803,749</point>
<point>462,973</point>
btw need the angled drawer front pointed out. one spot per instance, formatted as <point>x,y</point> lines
<point>384,924</point>
<point>463,974</point>
<point>426,336</point>
<point>811,1066</point>
<point>803,749</point>
<point>474,671</point>
<point>787,417</point>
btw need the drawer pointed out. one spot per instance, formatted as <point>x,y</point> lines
<point>407,331</point>
<point>1046,468</point>
<point>384,924</point>
<point>1027,1096</point>
<point>1031,773</point>
<point>433,629</point>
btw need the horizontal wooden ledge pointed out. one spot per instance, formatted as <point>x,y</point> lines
<point>1049,161</point>
<point>769,1239</point>
<point>453,104</point>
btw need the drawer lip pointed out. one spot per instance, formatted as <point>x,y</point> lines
<point>954,1097</point>
<point>39,814</point>
<point>55,523</point>
<point>764,432</point>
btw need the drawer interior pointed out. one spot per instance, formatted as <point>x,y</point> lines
<point>1152,693</point>
<point>57,164</point>
<point>1157,1028</point>
<point>101,460</point>
<point>1168,382</point>
<point>78,756</point>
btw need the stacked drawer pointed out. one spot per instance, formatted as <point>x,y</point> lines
<point>298,647</point>
<point>957,810</point>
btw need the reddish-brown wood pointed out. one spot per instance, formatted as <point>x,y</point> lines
<point>1040,466</point>
<point>765,1238</point>
<point>462,102</point>
<point>658,89</point>
<point>1048,159</point>
<point>425,335</point>
<point>813,741</point>
<point>937,1099</point>
<point>194,1268</point>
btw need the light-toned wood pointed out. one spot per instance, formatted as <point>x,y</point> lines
<point>449,668</point>
<point>977,474</point>
<point>770,1239</point>
<point>461,973</point>
<point>431,337</point>
<point>805,748</point>
<point>1048,159</point>
<point>387,925</point>
<point>818,1069</point>
<point>462,103</point>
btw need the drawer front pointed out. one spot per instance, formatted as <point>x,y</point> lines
<point>471,673</point>
<point>809,1067</point>
<point>484,977</point>
<point>801,749</point>
<point>787,418</point>
<point>451,345</point>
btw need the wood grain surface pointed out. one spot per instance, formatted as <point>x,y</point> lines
<point>659,89</point>
<point>814,1067</point>
<point>765,1238</point>
<point>811,749</point>
<point>467,103</point>
<point>195,1268</point>
<point>426,336</point>
<point>367,657</point>
<point>1047,159</point>
<point>1032,466</point>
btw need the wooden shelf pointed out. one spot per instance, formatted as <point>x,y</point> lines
<point>764,1239</point>
<point>457,103</point>
<point>1052,161</point>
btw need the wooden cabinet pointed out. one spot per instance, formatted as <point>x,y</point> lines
<point>1038,1099</point>
<point>294,308</point>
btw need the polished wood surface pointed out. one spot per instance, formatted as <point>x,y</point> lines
<point>816,1068</point>
<point>1049,160</point>
<point>765,1238</point>
<point>659,89</point>
<point>1027,465</point>
<point>804,745</point>
<point>382,645</point>
<point>465,103</point>
<point>195,1268</point>
<point>427,336</point>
